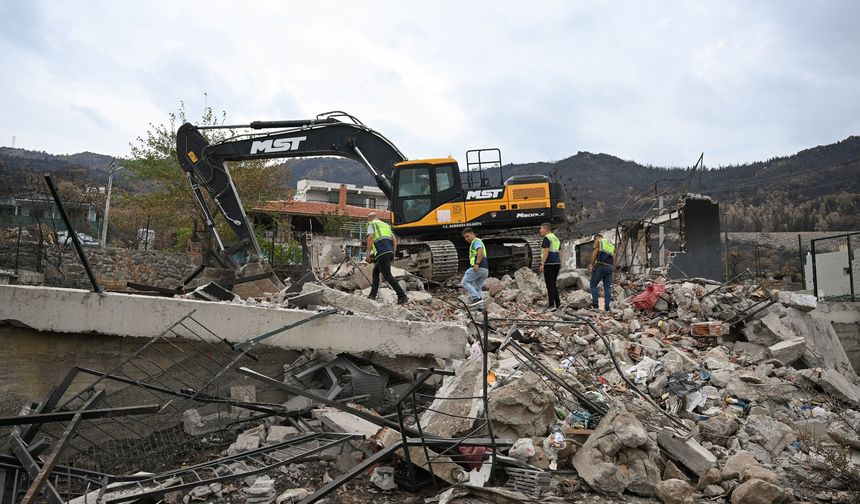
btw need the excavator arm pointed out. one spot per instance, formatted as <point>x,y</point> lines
<point>326,135</point>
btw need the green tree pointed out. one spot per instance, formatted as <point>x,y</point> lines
<point>168,201</point>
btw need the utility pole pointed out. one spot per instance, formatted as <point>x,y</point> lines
<point>660,240</point>
<point>111,171</point>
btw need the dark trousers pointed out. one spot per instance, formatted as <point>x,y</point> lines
<point>602,273</point>
<point>382,265</point>
<point>550,274</point>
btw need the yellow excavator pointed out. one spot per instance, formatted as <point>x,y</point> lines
<point>431,200</point>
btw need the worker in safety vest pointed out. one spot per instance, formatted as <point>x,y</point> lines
<point>479,268</point>
<point>602,264</point>
<point>381,246</point>
<point>550,264</point>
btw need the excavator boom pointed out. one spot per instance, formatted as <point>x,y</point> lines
<point>326,135</point>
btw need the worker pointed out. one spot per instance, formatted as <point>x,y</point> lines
<point>602,264</point>
<point>479,268</point>
<point>381,247</point>
<point>550,264</point>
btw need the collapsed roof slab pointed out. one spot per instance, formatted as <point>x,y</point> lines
<point>77,311</point>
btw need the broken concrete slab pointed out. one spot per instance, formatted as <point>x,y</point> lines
<point>261,492</point>
<point>609,465</point>
<point>802,302</point>
<point>341,421</point>
<point>824,348</point>
<point>529,281</point>
<point>78,311</point>
<point>688,452</point>
<point>447,418</point>
<point>773,435</point>
<point>521,408</point>
<point>280,433</point>
<point>736,464</point>
<point>834,383</point>
<point>788,351</point>
<point>243,443</point>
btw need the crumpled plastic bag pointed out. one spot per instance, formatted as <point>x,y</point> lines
<point>644,370</point>
<point>522,449</point>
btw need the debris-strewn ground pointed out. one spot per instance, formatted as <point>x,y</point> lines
<point>744,394</point>
<point>685,391</point>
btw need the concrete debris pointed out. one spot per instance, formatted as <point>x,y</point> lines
<point>522,408</point>
<point>803,302</point>
<point>383,478</point>
<point>788,351</point>
<point>688,452</point>
<point>757,491</point>
<point>736,464</point>
<point>528,281</point>
<point>619,456</point>
<point>280,433</point>
<point>261,492</point>
<point>674,491</point>
<point>292,495</point>
<point>673,393</point>
<point>243,443</point>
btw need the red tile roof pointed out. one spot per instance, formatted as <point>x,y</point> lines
<point>313,209</point>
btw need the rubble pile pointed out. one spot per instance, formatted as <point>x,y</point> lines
<point>685,391</point>
<point>761,383</point>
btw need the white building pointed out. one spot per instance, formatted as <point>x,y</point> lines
<point>329,192</point>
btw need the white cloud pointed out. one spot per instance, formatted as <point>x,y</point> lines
<point>651,82</point>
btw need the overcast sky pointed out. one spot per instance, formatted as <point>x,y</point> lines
<point>656,82</point>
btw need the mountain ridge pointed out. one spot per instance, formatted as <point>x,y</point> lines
<point>816,188</point>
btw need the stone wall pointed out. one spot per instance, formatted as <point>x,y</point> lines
<point>113,266</point>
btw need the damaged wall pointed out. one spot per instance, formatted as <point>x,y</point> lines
<point>35,361</point>
<point>700,234</point>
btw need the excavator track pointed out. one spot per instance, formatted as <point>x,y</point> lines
<point>534,248</point>
<point>434,260</point>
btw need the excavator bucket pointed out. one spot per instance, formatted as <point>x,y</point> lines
<point>261,281</point>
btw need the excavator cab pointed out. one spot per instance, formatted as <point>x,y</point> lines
<point>427,192</point>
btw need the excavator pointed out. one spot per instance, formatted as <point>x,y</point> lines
<point>431,200</point>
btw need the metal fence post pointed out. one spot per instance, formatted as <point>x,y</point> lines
<point>802,264</point>
<point>850,267</point>
<point>814,270</point>
<point>18,249</point>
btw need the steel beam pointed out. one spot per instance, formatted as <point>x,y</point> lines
<point>41,479</point>
<point>63,416</point>
<point>19,448</point>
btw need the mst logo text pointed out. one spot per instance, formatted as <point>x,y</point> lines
<point>483,194</point>
<point>277,145</point>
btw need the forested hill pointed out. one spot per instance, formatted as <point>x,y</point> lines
<point>817,189</point>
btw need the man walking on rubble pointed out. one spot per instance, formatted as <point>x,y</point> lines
<point>602,264</point>
<point>479,268</point>
<point>381,246</point>
<point>550,264</point>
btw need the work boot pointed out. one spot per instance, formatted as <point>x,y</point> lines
<point>372,297</point>
<point>402,300</point>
